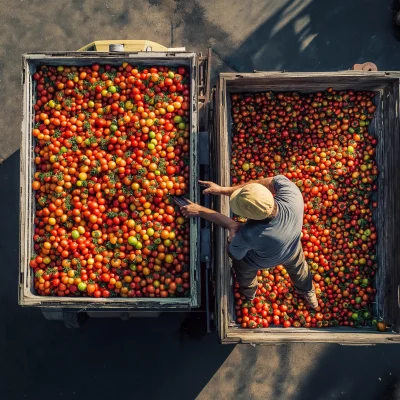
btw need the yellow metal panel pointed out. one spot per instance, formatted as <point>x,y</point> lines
<point>129,45</point>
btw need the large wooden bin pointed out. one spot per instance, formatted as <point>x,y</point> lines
<point>30,62</point>
<point>387,219</point>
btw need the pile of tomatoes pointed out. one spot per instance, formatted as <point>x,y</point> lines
<point>111,147</point>
<point>321,141</point>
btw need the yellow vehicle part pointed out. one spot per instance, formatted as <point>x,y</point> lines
<point>129,45</point>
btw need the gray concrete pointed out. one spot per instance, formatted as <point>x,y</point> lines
<point>150,358</point>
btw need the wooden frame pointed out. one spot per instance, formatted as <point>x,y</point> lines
<point>26,295</point>
<point>387,218</point>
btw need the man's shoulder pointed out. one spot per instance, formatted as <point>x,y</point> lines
<point>287,190</point>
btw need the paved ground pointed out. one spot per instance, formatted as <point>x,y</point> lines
<point>150,358</point>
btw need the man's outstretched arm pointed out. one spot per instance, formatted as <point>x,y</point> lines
<point>213,188</point>
<point>196,210</point>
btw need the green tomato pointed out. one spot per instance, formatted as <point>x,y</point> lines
<point>367,315</point>
<point>365,281</point>
<point>177,119</point>
<point>138,246</point>
<point>350,149</point>
<point>367,232</point>
<point>151,146</point>
<point>152,135</point>
<point>133,267</point>
<point>113,127</point>
<point>87,142</point>
<point>358,300</point>
<point>112,89</point>
<point>132,240</point>
<point>157,241</point>
<point>171,75</point>
<point>354,316</point>
<point>63,150</point>
<point>150,231</point>
<point>182,125</point>
<point>90,103</point>
<point>75,234</point>
<point>82,286</point>
<point>157,172</point>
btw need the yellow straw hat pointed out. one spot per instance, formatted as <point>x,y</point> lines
<point>253,201</point>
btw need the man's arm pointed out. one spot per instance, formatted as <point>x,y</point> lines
<point>196,210</point>
<point>213,188</point>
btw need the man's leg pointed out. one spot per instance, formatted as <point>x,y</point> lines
<point>246,277</point>
<point>301,277</point>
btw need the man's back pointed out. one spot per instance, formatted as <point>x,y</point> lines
<point>267,243</point>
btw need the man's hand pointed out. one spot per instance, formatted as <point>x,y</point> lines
<point>191,210</point>
<point>212,188</point>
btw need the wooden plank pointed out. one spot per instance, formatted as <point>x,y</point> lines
<point>244,336</point>
<point>392,240</point>
<point>221,163</point>
<point>307,82</point>
<point>377,128</point>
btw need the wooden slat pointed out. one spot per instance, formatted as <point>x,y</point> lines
<point>377,128</point>
<point>392,208</point>
<point>221,265</point>
<point>308,336</point>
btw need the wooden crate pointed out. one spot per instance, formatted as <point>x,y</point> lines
<point>27,296</point>
<point>386,127</point>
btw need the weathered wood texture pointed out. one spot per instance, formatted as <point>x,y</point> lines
<point>386,127</point>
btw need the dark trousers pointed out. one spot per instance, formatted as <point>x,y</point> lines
<point>297,268</point>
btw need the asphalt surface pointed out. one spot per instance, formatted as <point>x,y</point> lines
<point>169,357</point>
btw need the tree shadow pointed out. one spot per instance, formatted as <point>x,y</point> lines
<point>367,373</point>
<point>308,35</point>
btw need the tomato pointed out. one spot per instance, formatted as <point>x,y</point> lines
<point>321,142</point>
<point>171,170</point>
<point>381,326</point>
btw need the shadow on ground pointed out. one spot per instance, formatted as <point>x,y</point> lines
<point>307,35</point>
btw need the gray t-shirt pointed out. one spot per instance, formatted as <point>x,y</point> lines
<point>270,242</point>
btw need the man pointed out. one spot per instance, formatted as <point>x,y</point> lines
<point>271,235</point>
